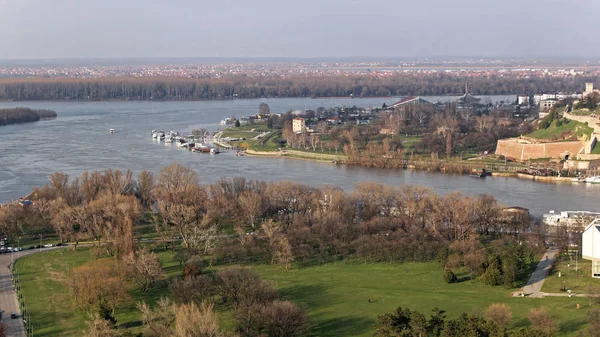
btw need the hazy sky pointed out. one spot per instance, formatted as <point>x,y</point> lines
<point>304,28</point>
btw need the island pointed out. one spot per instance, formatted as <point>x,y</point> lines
<point>24,115</point>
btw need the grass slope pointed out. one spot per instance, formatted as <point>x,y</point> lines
<point>573,130</point>
<point>335,295</point>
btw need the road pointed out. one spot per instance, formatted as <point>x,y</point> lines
<point>533,288</point>
<point>8,296</point>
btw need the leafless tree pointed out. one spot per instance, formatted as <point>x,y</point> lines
<point>499,313</point>
<point>193,320</point>
<point>144,267</point>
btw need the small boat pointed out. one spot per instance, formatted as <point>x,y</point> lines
<point>478,173</point>
<point>593,180</point>
<point>214,151</point>
<point>111,130</point>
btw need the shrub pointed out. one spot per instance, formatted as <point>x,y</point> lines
<point>449,276</point>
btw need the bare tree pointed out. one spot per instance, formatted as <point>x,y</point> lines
<point>97,285</point>
<point>193,320</point>
<point>284,319</point>
<point>499,313</point>
<point>195,289</point>
<point>144,267</point>
<point>253,205</point>
<point>541,320</point>
<point>145,188</point>
<point>159,321</point>
<point>99,327</point>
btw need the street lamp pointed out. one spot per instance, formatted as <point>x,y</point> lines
<point>41,235</point>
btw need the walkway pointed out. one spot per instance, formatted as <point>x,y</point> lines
<point>533,288</point>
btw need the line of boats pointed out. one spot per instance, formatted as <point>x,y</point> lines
<point>188,142</point>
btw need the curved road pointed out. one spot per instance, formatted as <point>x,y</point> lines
<point>8,297</point>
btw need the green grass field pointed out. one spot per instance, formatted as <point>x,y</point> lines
<point>575,281</point>
<point>335,295</point>
<point>573,129</point>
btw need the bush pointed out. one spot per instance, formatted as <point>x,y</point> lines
<point>492,275</point>
<point>449,276</point>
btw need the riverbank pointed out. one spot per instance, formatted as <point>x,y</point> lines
<point>340,159</point>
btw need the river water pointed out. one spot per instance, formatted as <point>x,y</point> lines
<point>79,140</point>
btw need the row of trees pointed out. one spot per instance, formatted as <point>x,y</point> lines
<point>23,115</point>
<point>277,222</point>
<point>493,323</point>
<point>160,88</point>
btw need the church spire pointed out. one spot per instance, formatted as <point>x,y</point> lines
<point>466,88</point>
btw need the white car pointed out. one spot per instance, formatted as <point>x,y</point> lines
<point>48,245</point>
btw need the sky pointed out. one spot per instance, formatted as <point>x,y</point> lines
<point>43,29</point>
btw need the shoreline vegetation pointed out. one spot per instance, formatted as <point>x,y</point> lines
<point>24,115</point>
<point>189,89</point>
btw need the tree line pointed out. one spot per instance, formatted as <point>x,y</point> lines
<point>492,322</point>
<point>23,115</point>
<point>174,88</point>
<point>239,221</point>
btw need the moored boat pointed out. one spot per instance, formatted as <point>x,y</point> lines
<point>593,180</point>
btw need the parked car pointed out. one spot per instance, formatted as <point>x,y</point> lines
<point>31,247</point>
<point>48,245</point>
<point>14,316</point>
<point>60,244</point>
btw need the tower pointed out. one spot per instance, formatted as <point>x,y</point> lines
<point>589,88</point>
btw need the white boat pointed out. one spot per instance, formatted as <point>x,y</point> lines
<point>111,130</point>
<point>169,140</point>
<point>593,180</point>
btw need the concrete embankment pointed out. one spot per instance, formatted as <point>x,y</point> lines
<point>550,179</point>
<point>297,154</point>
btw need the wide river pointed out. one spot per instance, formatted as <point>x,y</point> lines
<point>79,140</point>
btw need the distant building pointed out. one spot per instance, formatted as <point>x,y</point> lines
<point>573,221</point>
<point>547,104</point>
<point>467,99</point>
<point>409,101</point>
<point>589,88</point>
<point>298,125</point>
<point>523,100</point>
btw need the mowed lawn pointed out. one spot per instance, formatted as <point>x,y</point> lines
<point>335,295</point>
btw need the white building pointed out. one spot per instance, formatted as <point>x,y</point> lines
<point>523,100</point>
<point>574,221</point>
<point>590,249</point>
<point>298,125</point>
<point>589,88</point>
<point>547,104</point>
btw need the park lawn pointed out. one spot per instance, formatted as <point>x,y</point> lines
<point>410,142</point>
<point>336,295</point>
<point>569,277</point>
<point>233,133</point>
<point>572,129</point>
<point>46,294</point>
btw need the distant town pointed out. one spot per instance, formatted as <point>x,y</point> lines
<point>199,68</point>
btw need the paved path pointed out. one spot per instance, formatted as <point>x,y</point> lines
<point>533,288</point>
<point>8,297</point>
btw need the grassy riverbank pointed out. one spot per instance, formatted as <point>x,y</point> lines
<point>336,295</point>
